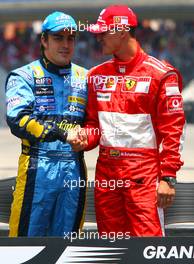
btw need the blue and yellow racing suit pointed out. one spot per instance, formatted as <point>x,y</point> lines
<point>43,102</point>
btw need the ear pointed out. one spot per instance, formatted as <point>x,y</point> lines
<point>124,34</point>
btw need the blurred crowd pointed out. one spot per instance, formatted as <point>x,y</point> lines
<point>164,39</point>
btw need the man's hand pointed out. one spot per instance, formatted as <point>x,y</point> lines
<point>73,134</point>
<point>165,194</point>
<point>77,137</point>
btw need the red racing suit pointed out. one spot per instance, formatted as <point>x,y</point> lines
<point>135,114</point>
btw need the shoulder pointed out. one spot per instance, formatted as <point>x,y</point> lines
<point>25,72</point>
<point>23,75</point>
<point>161,70</point>
<point>79,70</point>
<point>100,68</point>
<point>158,66</point>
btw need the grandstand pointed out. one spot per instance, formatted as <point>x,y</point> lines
<point>34,9</point>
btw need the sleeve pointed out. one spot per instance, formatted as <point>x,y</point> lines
<point>20,116</point>
<point>91,123</point>
<point>170,123</point>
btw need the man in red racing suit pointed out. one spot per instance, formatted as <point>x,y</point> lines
<point>135,114</point>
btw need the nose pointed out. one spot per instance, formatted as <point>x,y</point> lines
<point>65,43</point>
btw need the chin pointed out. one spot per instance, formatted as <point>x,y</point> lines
<point>64,61</point>
<point>61,63</point>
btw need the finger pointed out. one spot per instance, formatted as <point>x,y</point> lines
<point>169,201</point>
<point>76,141</point>
<point>82,135</point>
<point>160,201</point>
<point>79,147</point>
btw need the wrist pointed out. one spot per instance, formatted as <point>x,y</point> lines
<point>170,180</point>
<point>61,134</point>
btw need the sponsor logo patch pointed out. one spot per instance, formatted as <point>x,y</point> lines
<point>38,71</point>
<point>110,84</point>
<point>43,81</point>
<point>103,151</point>
<point>143,85</point>
<point>172,89</point>
<point>129,85</point>
<point>119,153</point>
<point>114,153</point>
<point>130,154</point>
<point>65,125</point>
<point>73,108</point>
<point>122,68</point>
<point>25,75</point>
<point>136,84</point>
<point>79,90</point>
<point>13,101</point>
<point>79,85</point>
<point>75,99</point>
<point>65,71</point>
<point>45,100</point>
<point>43,108</point>
<point>11,84</point>
<point>103,96</point>
<point>120,19</point>
<point>44,90</point>
<point>175,104</point>
<point>105,83</point>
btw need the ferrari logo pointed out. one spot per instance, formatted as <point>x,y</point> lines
<point>130,84</point>
<point>117,19</point>
<point>120,20</point>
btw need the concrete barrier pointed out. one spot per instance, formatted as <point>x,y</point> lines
<point>179,218</point>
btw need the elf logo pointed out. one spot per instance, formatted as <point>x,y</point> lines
<point>174,252</point>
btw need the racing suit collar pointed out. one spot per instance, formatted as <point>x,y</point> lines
<point>127,66</point>
<point>53,68</point>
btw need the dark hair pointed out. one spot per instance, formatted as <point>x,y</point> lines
<point>132,32</point>
<point>45,36</point>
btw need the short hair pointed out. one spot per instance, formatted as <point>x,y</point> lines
<point>45,36</point>
<point>132,32</point>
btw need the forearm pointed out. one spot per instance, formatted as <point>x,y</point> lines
<point>35,129</point>
<point>170,125</point>
<point>93,136</point>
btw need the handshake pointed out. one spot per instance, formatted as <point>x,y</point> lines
<point>77,137</point>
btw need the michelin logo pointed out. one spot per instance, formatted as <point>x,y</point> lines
<point>175,252</point>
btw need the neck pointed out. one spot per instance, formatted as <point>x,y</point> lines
<point>128,50</point>
<point>51,67</point>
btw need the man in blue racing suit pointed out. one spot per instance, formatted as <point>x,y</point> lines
<point>45,100</point>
